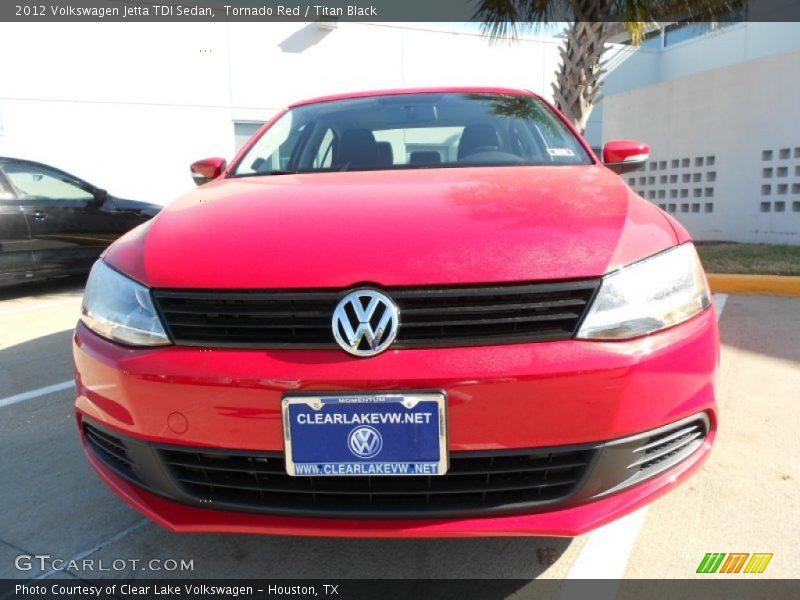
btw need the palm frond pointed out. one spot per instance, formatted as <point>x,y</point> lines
<point>507,18</point>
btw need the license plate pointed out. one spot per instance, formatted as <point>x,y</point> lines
<point>363,434</point>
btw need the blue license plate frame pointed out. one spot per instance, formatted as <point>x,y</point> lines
<point>365,434</point>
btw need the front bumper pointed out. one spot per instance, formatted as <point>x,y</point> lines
<point>500,398</point>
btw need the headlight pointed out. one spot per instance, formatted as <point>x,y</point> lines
<point>652,294</point>
<point>120,309</point>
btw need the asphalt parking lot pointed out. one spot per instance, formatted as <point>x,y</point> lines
<point>746,498</point>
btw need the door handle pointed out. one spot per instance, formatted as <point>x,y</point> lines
<point>39,215</point>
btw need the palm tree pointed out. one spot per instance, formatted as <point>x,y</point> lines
<point>593,22</point>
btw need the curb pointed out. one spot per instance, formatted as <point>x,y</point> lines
<point>768,285</point>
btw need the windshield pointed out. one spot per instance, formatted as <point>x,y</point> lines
<point>414,131</point>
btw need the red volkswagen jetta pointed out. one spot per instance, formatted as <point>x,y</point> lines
<point>407,313</point>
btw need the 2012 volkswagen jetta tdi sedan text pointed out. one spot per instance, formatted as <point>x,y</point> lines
<point>408,313</point>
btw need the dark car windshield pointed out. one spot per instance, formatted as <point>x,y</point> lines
<point>414,131</point>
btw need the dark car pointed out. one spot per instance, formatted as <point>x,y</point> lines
<point>53,224</point>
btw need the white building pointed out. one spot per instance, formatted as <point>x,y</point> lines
<point>128,106</point>
<point>719,110</point>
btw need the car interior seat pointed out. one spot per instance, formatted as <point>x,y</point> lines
<point>478,137</point>
<point>357,149</point>
<point>424,157</point>
<point>386,154</point>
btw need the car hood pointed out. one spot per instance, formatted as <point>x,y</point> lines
<point>146,208</point>
<point>392,228</point>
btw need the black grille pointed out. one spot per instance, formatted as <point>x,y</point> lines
<point>668,447</point>
<point>475,483</point>
<point>478,483</point>
<point>429,317</point>
<point>110,449</point>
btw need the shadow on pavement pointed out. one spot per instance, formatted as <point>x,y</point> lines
<point>36,363</point>
<point>242,556</point>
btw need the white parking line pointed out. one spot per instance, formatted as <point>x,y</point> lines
<point>50,389</point>
<point>606,553</point>
<point>16,311</point>
<point>720,300</point>
<point>608,549</point>
<point>87,553</point>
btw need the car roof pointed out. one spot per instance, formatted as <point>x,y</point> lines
<point>422,90</point>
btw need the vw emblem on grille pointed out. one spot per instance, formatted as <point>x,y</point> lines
<point>365,441</point>
<point>365,322</point>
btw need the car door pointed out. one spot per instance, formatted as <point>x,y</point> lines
<point>16,259</point>
<point>63,215</point>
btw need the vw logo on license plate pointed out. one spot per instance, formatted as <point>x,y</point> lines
<point>365,441</point>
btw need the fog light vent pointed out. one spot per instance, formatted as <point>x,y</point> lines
<point>667,448</point>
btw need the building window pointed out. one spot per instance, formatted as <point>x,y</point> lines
<point>783,188</point>
<point>695,208</point>
<point>795,206</point>
<point>765,206</point>
<point>783,171</point>
<point>684,208</point>
<point>711,176</point>
<point>766,190</point>
<point>780,206</point>
<point>710,160</point>
<point>709,192</point>
<point>709,207</point>
<point>243,131</point>
<point>766,155</point>
<point>766,173</point>
<point>784,153</point>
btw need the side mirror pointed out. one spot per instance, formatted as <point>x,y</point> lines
<point>207,169</point>
<point>623,156</point>
<point>100,196</point>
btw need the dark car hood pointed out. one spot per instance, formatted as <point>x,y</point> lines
<point>390,228</point>
<point>145,208</point>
